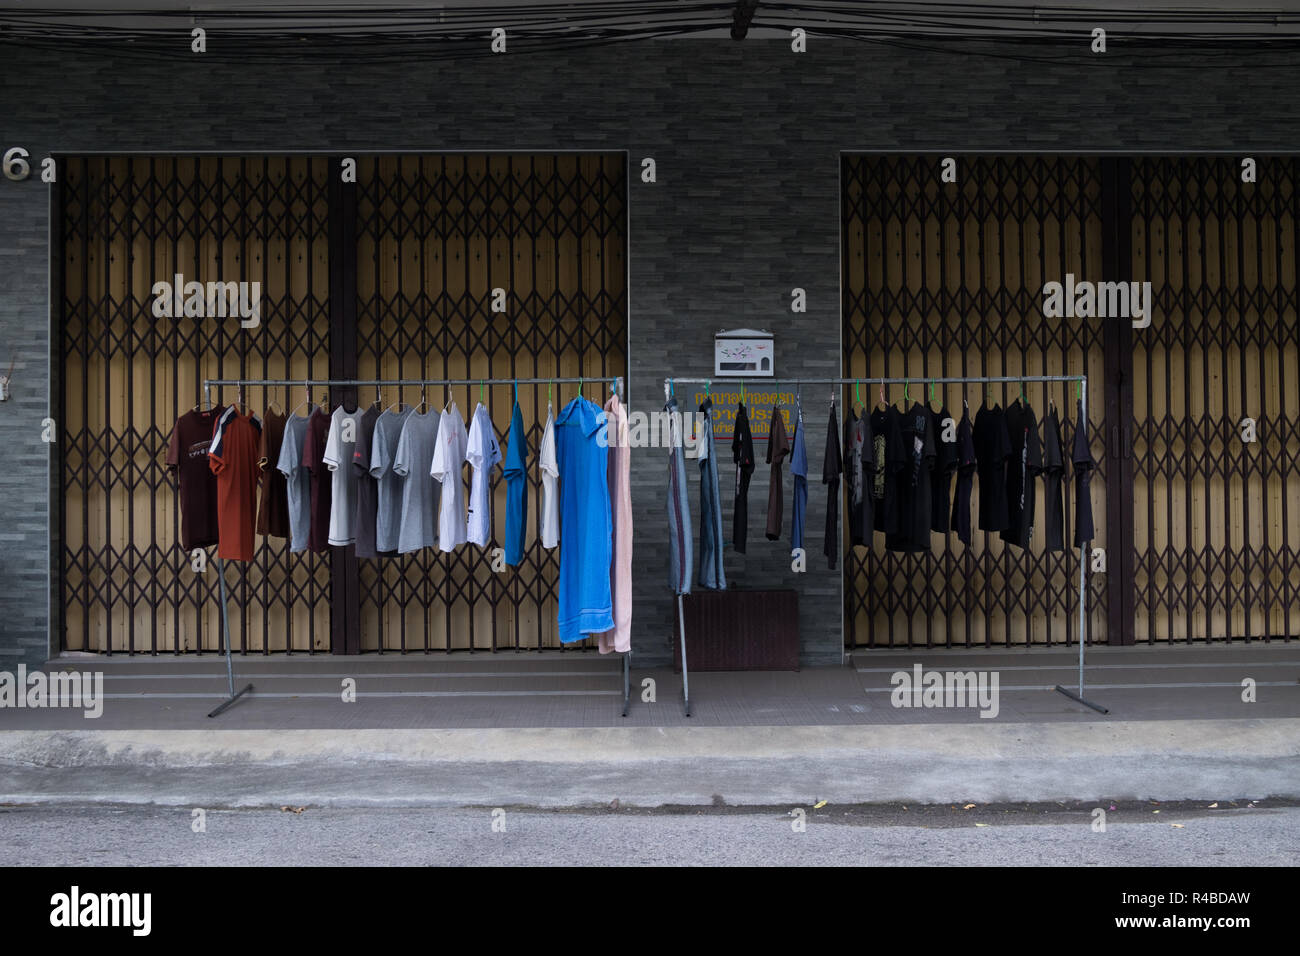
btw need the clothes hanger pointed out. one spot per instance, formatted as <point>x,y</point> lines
<point>883,403</point>
<point>307,401</point>
<point>208,401</point>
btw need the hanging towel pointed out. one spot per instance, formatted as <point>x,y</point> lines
<point>712,575</point>
<point>619,475</point>
<point>680,558</point>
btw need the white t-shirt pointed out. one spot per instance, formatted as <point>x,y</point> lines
<point>482,452</point>
<point>345,428</point>
<point>550,468</point>
<point>448,461</point>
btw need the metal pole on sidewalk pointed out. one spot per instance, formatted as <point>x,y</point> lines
<point>225,637</point>
<point>1083,570</point>
<point>686,683</point>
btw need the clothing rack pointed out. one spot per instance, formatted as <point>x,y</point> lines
<point>615,385</point>
<point>1082,380</point>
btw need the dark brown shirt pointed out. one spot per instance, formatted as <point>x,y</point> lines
<point>187,458</point>
<point>313,452</point>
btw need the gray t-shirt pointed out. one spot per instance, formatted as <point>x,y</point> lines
<point>367,501</point>
<point>420,490</point>
<point>297,481</point>
<point>383,452</point>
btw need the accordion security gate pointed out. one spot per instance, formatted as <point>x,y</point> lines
<point>946,279</point>
<point>396,274</point>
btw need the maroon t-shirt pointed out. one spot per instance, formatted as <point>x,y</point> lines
<point>273,512</point>
<point>313,450</point>
<point>187,458</point>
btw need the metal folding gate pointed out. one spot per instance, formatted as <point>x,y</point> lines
<point>946,278</point>
<point>390,277</point>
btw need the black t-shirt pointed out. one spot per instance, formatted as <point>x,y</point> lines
<point>965,479</point>
<point>915,497</point>
<point>1022,470</point>
<point>852,475</point>
<point>888,458</point>
<point>1081,456</point>
<point>945,463</point>
<point>992,447</point>
<point>865,446</point>
<point>832,463</point>
<point>742,452</point>
<point>1053,471</point>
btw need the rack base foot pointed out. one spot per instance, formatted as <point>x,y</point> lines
<point>1087,703</point>
<point>226,703</point>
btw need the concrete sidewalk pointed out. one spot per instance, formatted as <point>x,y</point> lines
<point>545,730</point>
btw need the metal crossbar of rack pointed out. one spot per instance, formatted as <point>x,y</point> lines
<point>615,384</point>
<point>1081,380</point>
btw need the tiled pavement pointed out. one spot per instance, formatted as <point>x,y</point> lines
<point>539,690</point>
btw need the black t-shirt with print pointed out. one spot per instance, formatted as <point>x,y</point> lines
<point>1053,472</point>
<point>965,479</point>
<point>945,464</point>
<point>915,496</point>
<point>888,458</point>
<point>1022,471</point>
<point>852,490</point>
<point>992,447</point>
<point>865,442</point>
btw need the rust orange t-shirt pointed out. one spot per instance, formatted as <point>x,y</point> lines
<point>233,457</point>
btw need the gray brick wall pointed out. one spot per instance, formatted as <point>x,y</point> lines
<point>746,137</point>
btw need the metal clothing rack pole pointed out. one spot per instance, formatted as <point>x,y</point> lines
<point>615,383</point>
<point>945,380</point>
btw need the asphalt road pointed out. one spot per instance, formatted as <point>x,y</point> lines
<point>1136,834</point>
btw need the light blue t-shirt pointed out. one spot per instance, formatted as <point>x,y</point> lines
<point>586,524</point>
<point>297,481</point>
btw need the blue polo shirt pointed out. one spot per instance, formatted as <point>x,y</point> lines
<point>586,524</point>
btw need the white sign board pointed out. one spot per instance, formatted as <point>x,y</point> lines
<point>743,353</point>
